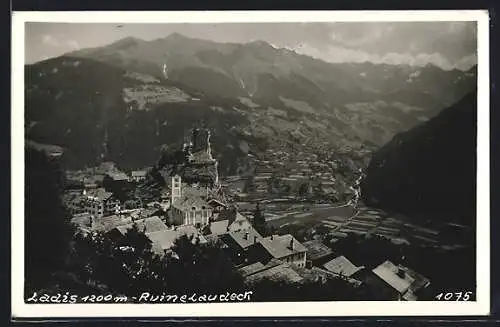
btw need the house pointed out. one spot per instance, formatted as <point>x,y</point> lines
<point>396,282</point>
<point>108,223</point>
<point>217,205</point>
<point>342,267</point>
<point>147,225</point>
<point>117,176</point>
<point>116,182</point>
<point>283,272</point>
<point>163,240</point>
<point>282,247</point>
<point>100,203</point>
<point>318,253</point>
<point>138,176</point>
<point>228,220</point>
<point>240,244</point>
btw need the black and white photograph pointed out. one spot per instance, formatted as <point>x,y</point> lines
<point>218,161</point>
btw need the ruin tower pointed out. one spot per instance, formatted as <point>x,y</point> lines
<point>200,140</point>
<point>209,149</point>
<point>176,186</point>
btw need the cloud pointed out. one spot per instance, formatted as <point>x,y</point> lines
<point>50,40</point>
<point>73,44</point>
<point>338,54</point>
<point>53,41</point>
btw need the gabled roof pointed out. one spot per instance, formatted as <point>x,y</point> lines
<point>282,272</point>
<point>245,238</point>
<point>99,194</point>
<point>187,203</point>
<point>316,249</point>
<point>240,223</point>
<point>109,223</point>
<point>278,246</point>
<point>216,202</point>
<point>251,269</point>
<point>192,191</point>
<point>147,225</point>
<point>342,266</point>
<point>218,227</point>
<point>409,281</point>
<point>139,173</point>
<point>118,176</point>
<point>164,239</point>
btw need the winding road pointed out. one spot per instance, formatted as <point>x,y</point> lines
<point>348,210</point>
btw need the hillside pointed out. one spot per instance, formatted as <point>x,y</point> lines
<point>265,73</point>
<point>125,101</point>
<point>431,169</point>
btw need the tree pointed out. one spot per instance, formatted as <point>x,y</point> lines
<point>304,189</point>
<point>128,267</point>
<point>330,289</point>
<point>203,267</point>
<point>259,221</point>
<point>48,230</point>
<point>249,185</point>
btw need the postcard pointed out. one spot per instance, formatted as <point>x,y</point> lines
<point>250,164</point>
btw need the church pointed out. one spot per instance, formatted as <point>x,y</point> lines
<point>193,190</point>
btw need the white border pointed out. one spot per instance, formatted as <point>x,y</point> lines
<point>292,309</point>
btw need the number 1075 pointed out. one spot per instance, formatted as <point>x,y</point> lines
<point>454,296</point>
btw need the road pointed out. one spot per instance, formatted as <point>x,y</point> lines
<point>347,210</point>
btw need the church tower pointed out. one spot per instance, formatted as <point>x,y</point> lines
<point>176,189</point>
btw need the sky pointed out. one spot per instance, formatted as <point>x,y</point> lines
<point>447,45</point>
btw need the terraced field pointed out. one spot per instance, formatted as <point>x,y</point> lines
<point>343,220</point>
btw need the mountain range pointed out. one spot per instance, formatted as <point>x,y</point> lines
<point>126,101</point>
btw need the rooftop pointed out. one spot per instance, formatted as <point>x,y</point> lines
<point>282,272</point>
<point>342,266</point>
<point>251,269</point>
<point>222,225</point>
<point>245,238</point>
<point>147,225</point>
<point>164,239</point>
<point>400,278</point>
<point>218,227</point>
<point>316,249</point>
<point>99,194</point>
<point>139,173</point>
<point>188,190</point>
<point>108,223</point>
<point>189,202</point>
<point>118,176</point>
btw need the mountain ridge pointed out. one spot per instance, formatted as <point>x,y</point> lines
<point>431,169</point>
<point>262,96</point>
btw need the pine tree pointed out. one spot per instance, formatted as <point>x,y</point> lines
<point>259,222</point>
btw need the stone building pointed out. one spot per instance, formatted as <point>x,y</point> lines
<point>100,203</point>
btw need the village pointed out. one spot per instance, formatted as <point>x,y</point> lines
<point>232,210</point>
